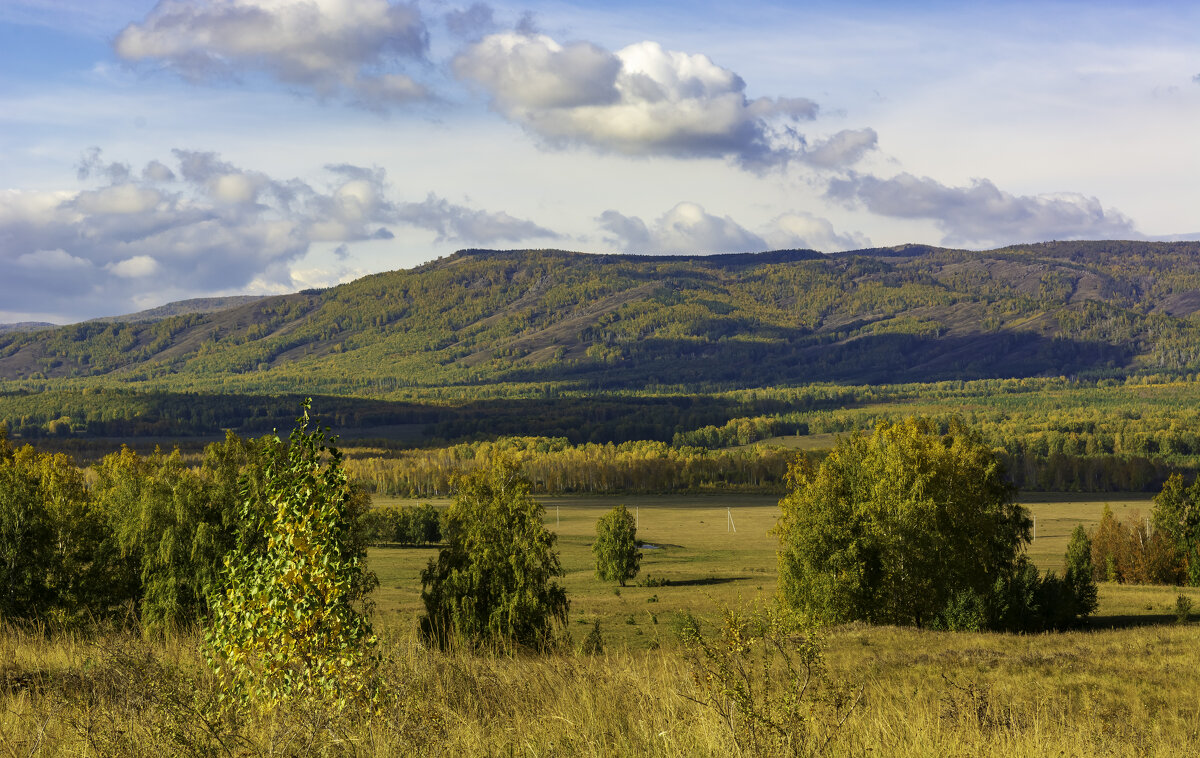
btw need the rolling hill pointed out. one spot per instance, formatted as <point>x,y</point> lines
<point>526,324</point>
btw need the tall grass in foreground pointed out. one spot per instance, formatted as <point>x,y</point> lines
<point>1122,692</point>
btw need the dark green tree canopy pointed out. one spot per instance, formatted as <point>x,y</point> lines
<point>1078,573</point>
<point>895,523</point>
<point>1177,514</point>
<point>616,547</point>
<point>493,582</point>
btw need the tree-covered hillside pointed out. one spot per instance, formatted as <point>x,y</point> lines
<point>484,317</point>
<point>527,340</point>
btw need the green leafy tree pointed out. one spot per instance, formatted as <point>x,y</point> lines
<point>426,525</point>
<point>172,525</point>
<point>81,568</point>
<point>291,620</point>
<point>1177,514</point>
<point>893,524</point>
<point>616,547</point>
<point>493,582</point>
<point>1110,549</point>
<point>26,540</point>
<point>52,561</point>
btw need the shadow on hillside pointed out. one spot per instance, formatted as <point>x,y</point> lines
<point>126,415</point>
<point>803,357</point>
<point>145,419</point>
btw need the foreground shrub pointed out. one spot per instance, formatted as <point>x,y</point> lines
<point>763,673</point>
<point>493,582</point>
<point>291,621</point>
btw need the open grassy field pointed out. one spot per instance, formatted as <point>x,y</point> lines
<point>709,565</point>
<point>1123,687</point>
<point>1117,692</point>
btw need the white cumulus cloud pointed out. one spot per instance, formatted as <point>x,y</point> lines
<point>353,49</point>
<point>645,100</point>
<point>137,267</point>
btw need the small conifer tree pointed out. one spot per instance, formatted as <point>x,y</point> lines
<point>1078,572</point>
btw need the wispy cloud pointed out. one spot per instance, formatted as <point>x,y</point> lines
<point>202,225</point>
<point>458,223</point>
<point>981,213</point>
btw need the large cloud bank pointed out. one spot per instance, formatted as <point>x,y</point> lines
<point>201,225</point>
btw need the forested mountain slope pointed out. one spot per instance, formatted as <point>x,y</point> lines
<point>484,317</point>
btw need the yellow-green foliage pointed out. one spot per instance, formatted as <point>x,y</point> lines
<point>56,563</point>
<point>287,623</point>
<point>1129,552</point>
<point>616,548</point>
<point>495,581</point>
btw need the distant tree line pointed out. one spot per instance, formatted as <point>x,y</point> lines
<point>553,466</point>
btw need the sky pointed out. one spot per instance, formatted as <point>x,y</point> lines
<point>157,151</point>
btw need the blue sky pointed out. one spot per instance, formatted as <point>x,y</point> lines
<point>157,151</point>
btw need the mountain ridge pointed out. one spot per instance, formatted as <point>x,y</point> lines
<point>496,317</point>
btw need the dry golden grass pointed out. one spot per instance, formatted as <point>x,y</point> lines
<point>1121,693</point>
<point>1130,690</point>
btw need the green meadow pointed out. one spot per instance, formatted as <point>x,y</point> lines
<point>717,551</point>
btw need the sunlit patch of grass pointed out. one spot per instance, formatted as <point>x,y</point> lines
<point>708,565</point>
<point>1114,692</point>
